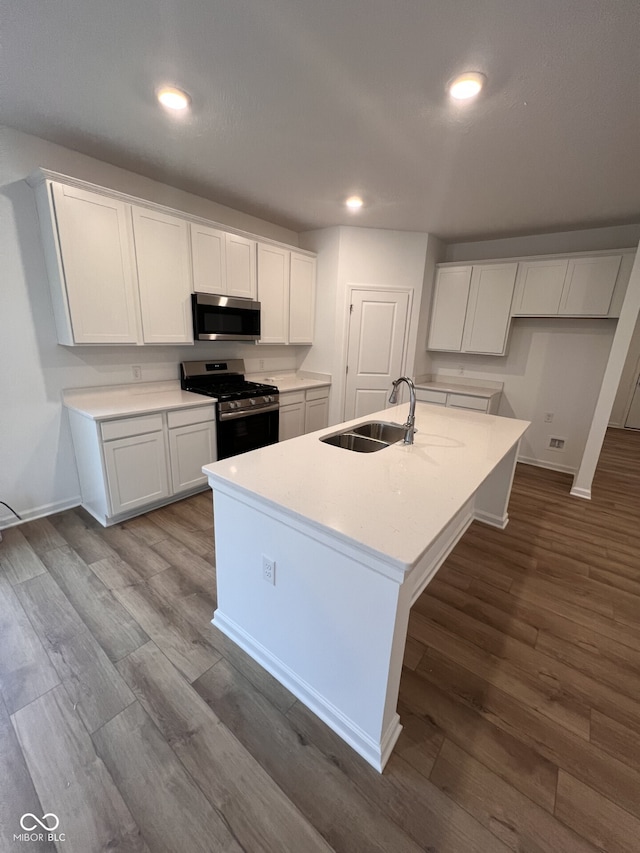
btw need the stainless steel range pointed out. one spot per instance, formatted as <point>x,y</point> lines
<point>247,414</point>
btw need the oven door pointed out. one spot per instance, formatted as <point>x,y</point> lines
<point>240,432</point>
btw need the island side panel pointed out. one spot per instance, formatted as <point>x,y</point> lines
<point>329,628</point>
<point>492,498</point>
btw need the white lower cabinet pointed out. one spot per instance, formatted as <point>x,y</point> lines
<point>191,445</point>
<point>303,411</point>
<point>455,400</point>
<point>316,409</point>
<point>291,418</point>
<point>136,471</point>
<point>129,465</point>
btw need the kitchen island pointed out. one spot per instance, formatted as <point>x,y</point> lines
<point>320,553</point>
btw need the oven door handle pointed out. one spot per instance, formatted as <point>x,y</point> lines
<point>247,413</point>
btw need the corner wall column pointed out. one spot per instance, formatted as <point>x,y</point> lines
<point>619,349</point>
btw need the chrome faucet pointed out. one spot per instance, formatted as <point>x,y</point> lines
<point>411,420</point>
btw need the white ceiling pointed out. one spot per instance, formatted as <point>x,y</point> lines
<point>299,103</point>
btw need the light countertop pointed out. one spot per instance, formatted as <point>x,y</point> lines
<point>116,401</point>
<point>290,381</point>
<point>393,502</point>
<point>451,385</point>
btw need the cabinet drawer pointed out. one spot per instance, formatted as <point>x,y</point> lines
<point>425,395</point>
<point>463,401</point>
<point>131,426</point>
<point>185,417</point>
<point>317,393</point>
<point>291,397</point>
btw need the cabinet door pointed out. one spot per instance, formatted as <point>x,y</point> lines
<point>162,260</point>
<point>96,254</point>
<point>208,259</point>
<point>539,288</point>
<point>302,299</point>
<point>589,285</point>
<point>191,447</point>
<point>448,308</point>
<point>489,309</point>
<point>136,471</point>
<point>316,414</point>
<point>291,421</point>
<point>241,266</point>
<point>465,401</point>
<point>273,294</point>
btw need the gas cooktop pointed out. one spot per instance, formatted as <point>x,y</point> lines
<point>223,380</point>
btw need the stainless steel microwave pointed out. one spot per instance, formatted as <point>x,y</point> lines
<point>225,318</point>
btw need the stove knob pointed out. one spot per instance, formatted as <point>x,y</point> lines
<point>253,402</point>
<point>233,405</point>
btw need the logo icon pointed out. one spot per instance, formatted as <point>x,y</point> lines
<point>28,826</point>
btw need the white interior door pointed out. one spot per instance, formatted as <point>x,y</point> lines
<point>633,418</point>
<point>375,348</point>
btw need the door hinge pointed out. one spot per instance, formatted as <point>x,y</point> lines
<point>350,309</point>
<point>346,370</point>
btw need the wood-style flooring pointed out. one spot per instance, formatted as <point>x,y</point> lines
<point>128,716</point>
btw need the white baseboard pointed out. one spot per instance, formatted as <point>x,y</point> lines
<point>578,492</point>
<point>552,466</point>
<point>375,753</point>
<point>499,521</point>
<point>9,520</point>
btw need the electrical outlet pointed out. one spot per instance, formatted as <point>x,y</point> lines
<point>548,417</point>
<point>261,362</point>
<point>269,570</point>
<point>556,443</point>
<point>136,372</point>
<point>461,370</point>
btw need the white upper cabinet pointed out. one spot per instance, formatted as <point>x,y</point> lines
<point>539,287</point>
<point>489,309</point>
<point>572,287</point>
<point>88,250</point>
<point>448,308</point>
<point>302,298</point>
<point>122,270</point>
<point>286,290</point>
<point>164,280</point>
<point>241,266</point>
<point>471,308</point>
<point>208,258</point>
<point>273,293</point>
<point>589,285</point>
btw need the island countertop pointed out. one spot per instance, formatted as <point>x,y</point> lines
<point>392,503</point>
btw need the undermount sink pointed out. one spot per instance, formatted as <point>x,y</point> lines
<point>367,438</point>
<point>380,431</point>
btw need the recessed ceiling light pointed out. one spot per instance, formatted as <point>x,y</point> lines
<point>173,99</point>
<point>466,85</point>
<point>354,202</point>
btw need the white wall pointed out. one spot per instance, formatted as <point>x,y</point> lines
<point>585,240</point>
<point>551,366</point>
<point>348,257</point>
<point>435,254</point>
<point>37,466</point>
